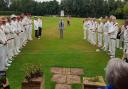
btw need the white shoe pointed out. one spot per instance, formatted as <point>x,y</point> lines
<point>7,65</point>
<point>121,48</point>
<point>112,57</point>
<point>6,68</point>
<point>9,61</point>
<point>18,51</point>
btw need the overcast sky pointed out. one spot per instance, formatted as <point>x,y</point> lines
<point>46,0</point>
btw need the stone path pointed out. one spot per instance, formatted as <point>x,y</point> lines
<point>62,86</point>
<point>65,77</point>
<point>67,71</point>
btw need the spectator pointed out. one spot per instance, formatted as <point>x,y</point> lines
<point>61,28</point>
<point>117,74</point>
<point>40,26</point>
<point>36,27</point>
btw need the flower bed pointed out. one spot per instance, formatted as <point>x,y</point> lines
<point>35,83</point>
<point>34,78</point>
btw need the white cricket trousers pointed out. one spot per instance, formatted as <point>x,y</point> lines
<point>99,39</point>
<point>112,47</point>
<point>2,57</point>
<point>105,42</point>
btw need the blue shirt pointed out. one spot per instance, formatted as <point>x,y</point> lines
<point>61,25</point>
<point>108,87</point>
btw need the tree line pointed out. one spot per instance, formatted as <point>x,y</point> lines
<point>77,8</point>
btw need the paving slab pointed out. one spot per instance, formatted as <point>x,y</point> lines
<point>77,71</point>
<point>62,86</point>
<point>73,79</point>
<point>57,70</point>
<point>66,71</point>
<point>59,78</point>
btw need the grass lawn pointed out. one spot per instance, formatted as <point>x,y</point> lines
<point>50,51</point>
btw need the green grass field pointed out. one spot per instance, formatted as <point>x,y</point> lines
<point>50,51</point>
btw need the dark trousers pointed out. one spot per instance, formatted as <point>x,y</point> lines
<point>40,31</point>
<point>36,33</point>
<point>61,33</point>
<point>68,23</point>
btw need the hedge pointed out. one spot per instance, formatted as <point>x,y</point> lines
<point>9,12</point>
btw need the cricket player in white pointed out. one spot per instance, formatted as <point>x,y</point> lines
<point>36,27</point>
<point>89,30</point>
<point>19,29</point>
<point>126,39</point>
<point>14,28</point>
<point>30,28</point>
<point>94,31</point>
<point>113,34</point>
<point>6,32</point>
<point>3,54</point>
<point>25,23</point>
<point>85,29</point>
<point>100,33</point>
<point>40,26</point>
<point>105,33</point>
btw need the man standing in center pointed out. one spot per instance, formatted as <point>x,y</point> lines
<point>61,28</point>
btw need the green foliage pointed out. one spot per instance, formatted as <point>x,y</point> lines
<point>36,8</point>
<point>9,12</point>
<point>32,71</point>
<point>125,9</point>
<point>79,8</point>
<point>93,8</point>
<point>2,5</point>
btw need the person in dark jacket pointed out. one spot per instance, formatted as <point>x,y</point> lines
<point>61,28</point>
<point>118,38</point>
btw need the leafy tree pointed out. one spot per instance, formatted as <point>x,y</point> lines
<point>79,8</point>
<point>2,5</point>
<point>125,9</point>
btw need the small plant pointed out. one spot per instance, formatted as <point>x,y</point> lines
<point>32,71</point>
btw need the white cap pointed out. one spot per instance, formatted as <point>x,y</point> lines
<point>13,16</point>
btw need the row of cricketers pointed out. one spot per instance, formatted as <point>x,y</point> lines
<point>107,34</point>
<point>15,32</point>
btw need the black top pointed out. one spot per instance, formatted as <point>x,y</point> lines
<point>118,35</point>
